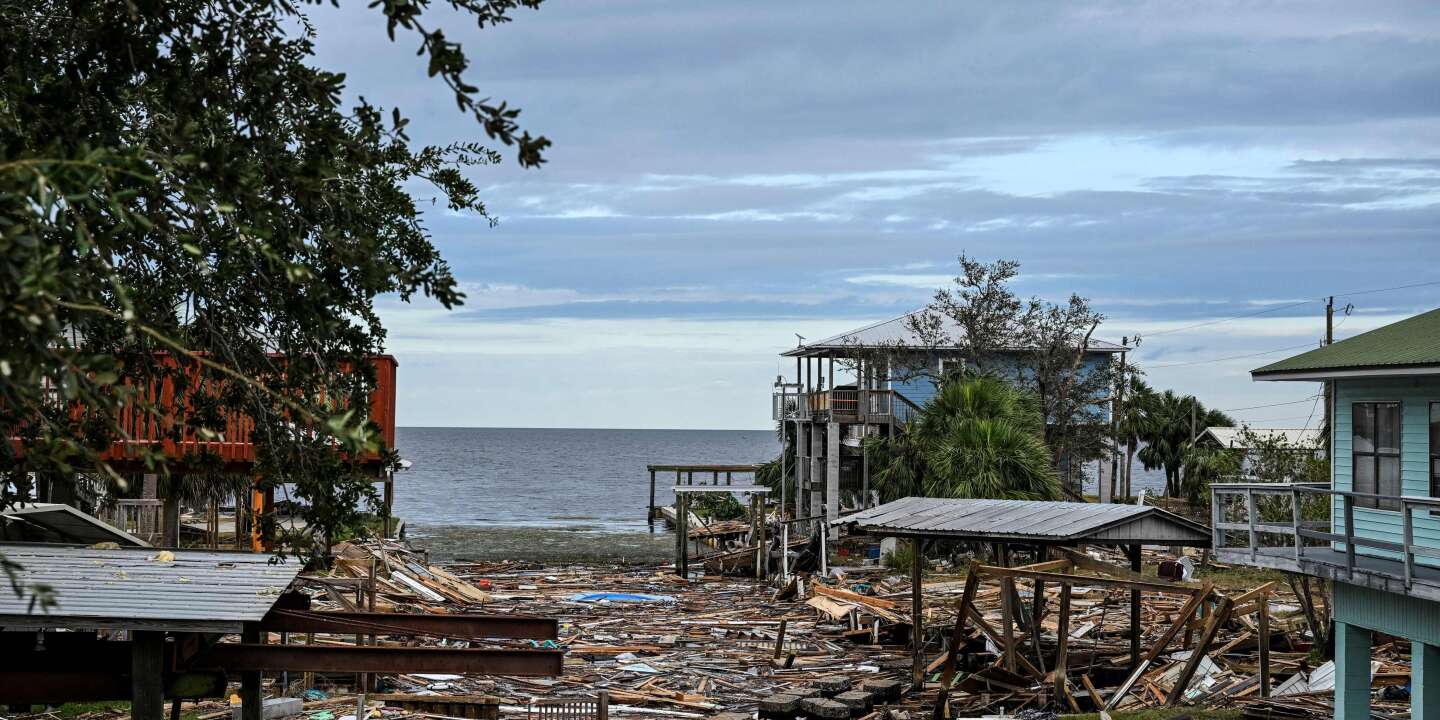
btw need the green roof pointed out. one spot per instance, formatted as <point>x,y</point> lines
<point>1410,343</point>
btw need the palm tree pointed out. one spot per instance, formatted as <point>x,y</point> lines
<point>979,437</point>
<point>1168,427</point>
<point>1131,424</point>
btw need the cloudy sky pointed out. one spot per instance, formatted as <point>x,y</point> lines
<point>728,174</point>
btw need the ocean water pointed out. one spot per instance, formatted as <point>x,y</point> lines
<point>548,494</point>
<point>525,493</point>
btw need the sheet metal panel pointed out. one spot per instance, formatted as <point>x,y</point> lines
<point>128,588</point>
<point>1021,520</point>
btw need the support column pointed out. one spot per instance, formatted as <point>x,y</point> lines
<point>802,467</point>
<point>1352,672</point>
<point>251,698</point>
<point>1424,681</point>
<point>1134,552</point>
<point>917,615</point>
<point>817,469</point>
<point>832,476</point>
<point>650,513</point>
<point>147,675</point>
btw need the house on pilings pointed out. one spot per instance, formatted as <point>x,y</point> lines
<point>1372,530</point>
<point>870,382</point>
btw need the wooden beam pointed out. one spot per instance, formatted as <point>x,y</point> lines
<point>147,676</point>
<point>1222,613</point>
<point>957,638</point>
<point>1133,552</point>
<point>1007,611</point>
<point>917,620</point>
<point>848,596</point>
<point>1147,586</point>
<point>1047,566</point>
<point>1062,646</point>
<point>1263,623</point>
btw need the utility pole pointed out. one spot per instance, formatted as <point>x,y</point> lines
<point>1329,385</point>
<point>1116,408</point>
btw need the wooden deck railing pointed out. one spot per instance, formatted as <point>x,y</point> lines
<point>843,405</point>
<point>1334,535</point>
<point>141,429</point>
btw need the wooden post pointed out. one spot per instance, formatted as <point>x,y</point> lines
<point>1263,626</point>
<point>602,705</point>
<point>780,639</point>
<point>1037,611</point>
<point>1007,610</point>
<point>388,523</point>
<point>755,533</point>
<point>1222,613</point>
<point>682,550</point>
<point>650,514</point>
<point>251,700</point>
<point>147,676</point>
<point>957,638</point>
<point>1062,641</point>
<point>1134,552</point>
<point>917,622</point>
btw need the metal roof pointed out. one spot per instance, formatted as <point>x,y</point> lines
<point>1033,521</point>
<point>897,333</point>
<point>198,591</point>
<point>1297,438</point>
<point>1413,344</point>
<point>58,522</point>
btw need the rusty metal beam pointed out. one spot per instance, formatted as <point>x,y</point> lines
<point>450,626</point>
<point>381,659</point>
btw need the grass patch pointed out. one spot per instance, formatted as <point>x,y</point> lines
<point>1239,577</point>
<point>1164,714</point>
<point>84,709</point>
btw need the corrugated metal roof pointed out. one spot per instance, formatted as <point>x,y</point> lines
<point>62,523</point>
<point>1412,342</point>
<point>1299,438</point>
<point>897,333</point>
<point>1025,520</point>
<point>198,590</point>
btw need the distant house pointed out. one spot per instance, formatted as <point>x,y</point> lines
<point>885,372</point>
<point>1380,544</point>
<point>1244,441</point>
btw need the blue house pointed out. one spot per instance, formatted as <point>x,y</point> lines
<point>1374,530</point>
<point>868,382</point>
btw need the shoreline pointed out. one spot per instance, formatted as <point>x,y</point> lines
<point>544,544</point>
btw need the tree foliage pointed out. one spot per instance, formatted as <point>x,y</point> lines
<point>1033,343</point>
<point>1167,425</point>
<point>980,436</point>
<point>186,196</point>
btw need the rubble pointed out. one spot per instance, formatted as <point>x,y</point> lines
<point>657,645</point>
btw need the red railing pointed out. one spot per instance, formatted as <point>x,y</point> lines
<point>141,428</point>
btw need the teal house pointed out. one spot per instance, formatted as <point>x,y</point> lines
<point>1374,530</point>
<point>869,382</point>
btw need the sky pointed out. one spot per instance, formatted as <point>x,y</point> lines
<point>727,175</point>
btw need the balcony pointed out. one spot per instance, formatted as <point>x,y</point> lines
<point>843,405</point>
<point>140,429</point>
<point>1386,543</point>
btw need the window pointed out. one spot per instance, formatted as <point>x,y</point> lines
<point>1434,449</point>
<point>1375,453</point>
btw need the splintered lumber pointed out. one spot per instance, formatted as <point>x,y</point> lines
<point>1221,615</point>
<point>838,594</point>
<point>1196,599</point>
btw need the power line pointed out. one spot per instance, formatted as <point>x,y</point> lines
<point>1232,357</point>
<point>1257,407</point>
<point>1388,289</point>
<point>1207,323</point>
<point>1286,306</point>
